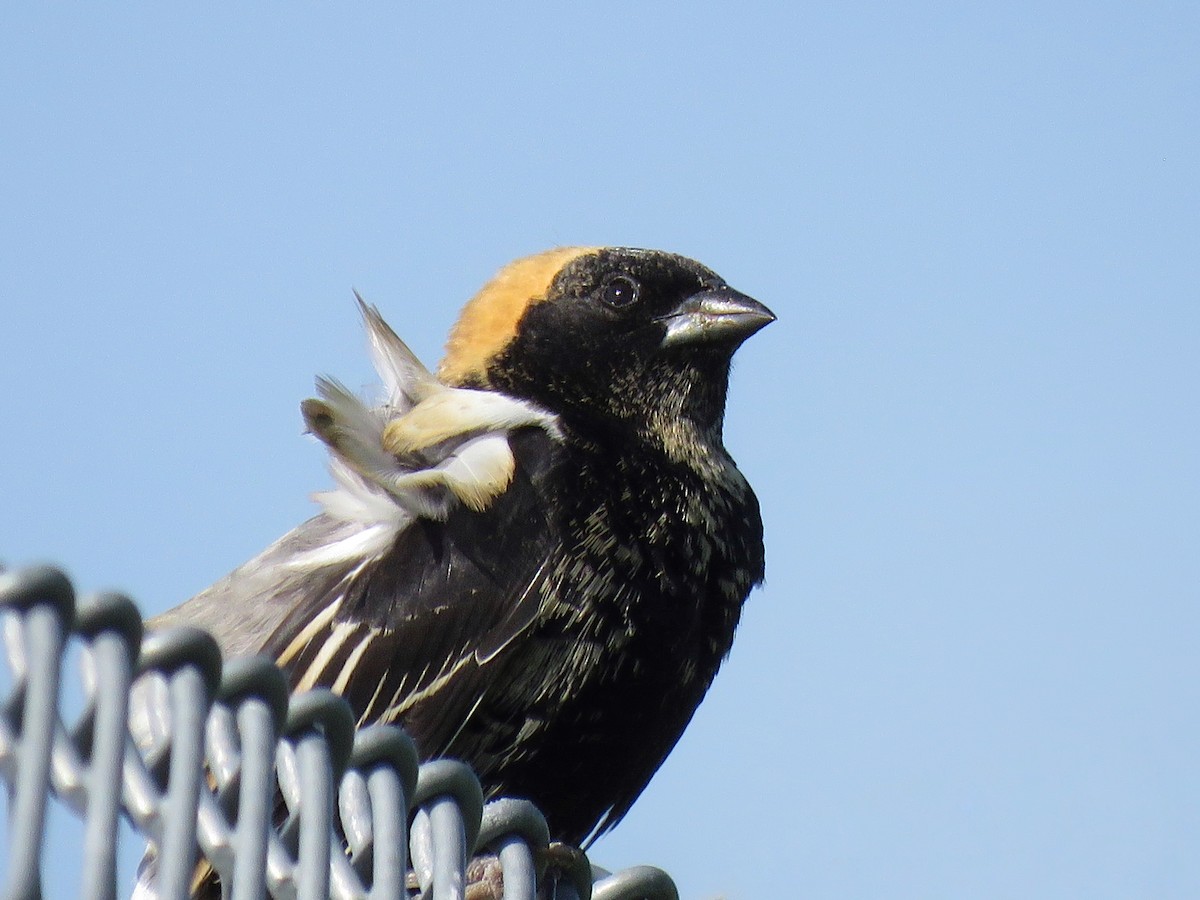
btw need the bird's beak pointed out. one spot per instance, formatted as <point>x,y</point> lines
<point>720,314</point>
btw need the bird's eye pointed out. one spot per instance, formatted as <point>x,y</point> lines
<point>620,291</point>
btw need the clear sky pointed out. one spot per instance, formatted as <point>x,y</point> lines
<point>974,668</point>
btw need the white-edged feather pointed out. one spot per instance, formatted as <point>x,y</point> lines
<point>338,634</point>
<point>309,632</point>
<point>371,541</point>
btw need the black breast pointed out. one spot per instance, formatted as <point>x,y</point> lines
<point>639,601</point>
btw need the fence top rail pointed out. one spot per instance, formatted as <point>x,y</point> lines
<point>240,790</point>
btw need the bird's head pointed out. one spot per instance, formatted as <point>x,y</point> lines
<point>607,337</point>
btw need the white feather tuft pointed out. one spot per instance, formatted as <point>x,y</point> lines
<point>354,499</point>
<point>430,448</point>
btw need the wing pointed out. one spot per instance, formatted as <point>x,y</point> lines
<point>426,618</point>
<point>426,559</point>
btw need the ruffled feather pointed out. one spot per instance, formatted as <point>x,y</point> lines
<point>429,448</point>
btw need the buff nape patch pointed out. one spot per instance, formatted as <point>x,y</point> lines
<point>489,320</point>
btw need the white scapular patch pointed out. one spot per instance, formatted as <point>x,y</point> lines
<point>427,449</point>
<point>451,412</point>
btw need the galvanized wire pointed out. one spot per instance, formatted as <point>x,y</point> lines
<point>231,780</point>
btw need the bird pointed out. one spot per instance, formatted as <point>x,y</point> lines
<point>533,559</point>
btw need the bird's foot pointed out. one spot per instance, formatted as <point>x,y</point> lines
<point>558,863</point>
<point>563,863</point>
<point>485,878</point>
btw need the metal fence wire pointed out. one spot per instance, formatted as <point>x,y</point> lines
<point>198,754</point>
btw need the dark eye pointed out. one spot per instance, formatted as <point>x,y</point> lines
<point>620,291</point>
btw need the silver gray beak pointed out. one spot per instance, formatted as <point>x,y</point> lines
<point>721,314</point>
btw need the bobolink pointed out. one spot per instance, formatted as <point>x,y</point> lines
<point>534,561</point>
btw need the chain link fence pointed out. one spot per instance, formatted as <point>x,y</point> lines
<point>226,775</point>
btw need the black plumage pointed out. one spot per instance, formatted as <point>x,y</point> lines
<point>537,562</point>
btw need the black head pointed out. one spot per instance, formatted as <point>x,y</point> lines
<point>608,335</point>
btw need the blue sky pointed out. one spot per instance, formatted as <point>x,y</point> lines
<point>973,670</point>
